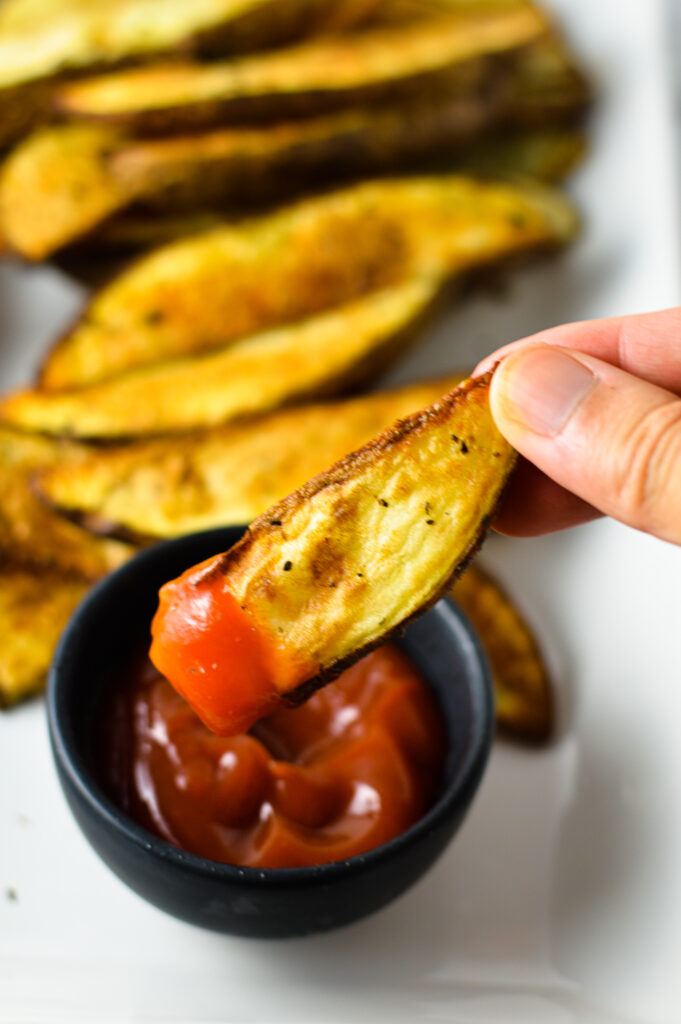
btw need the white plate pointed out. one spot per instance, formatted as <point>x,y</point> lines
<point>560,901</point>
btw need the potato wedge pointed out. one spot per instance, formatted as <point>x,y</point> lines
<point>541,154</point>
<point>59,186</point>
<point>340,565</point>
<point>326,74</point>
<point>41,40</point>
<point>522,687</point>
<point>224,476</point>
<point>56,186</point>
<point>322,355</point>
<point>49,201</point>
<point>35,605</point>
<point>33,533</point>
<point>41,43</point>
<point>298,261</point>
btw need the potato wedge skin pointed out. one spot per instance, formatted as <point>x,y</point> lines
<point>345,562</point>
<point>325,75</point>
<point>523,692</point>
<point>323,355</point>
<point>33,533</point>
<point>224,476</point>
<point>322,252</point>
<point>35,605</point>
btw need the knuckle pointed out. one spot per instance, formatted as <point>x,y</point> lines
<point>648,476</point>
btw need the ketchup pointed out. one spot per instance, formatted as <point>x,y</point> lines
<point>356,765</point>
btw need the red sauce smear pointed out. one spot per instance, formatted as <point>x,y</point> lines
<point>355,766</point>
<point>212,651</point>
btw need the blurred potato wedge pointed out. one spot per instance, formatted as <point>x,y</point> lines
<point>340,565</point>
<point>56,186</point>
<point>43,39</point>
<point>62,184</point>
<point>33,533</point>
<point>323,355</point>
<point>326,74</point>
<point>522,687</point>
<point>540,154</point>
<point>45,42</point>
<point>148,490</point>
<point>298,261</point>
<point>35,605</point>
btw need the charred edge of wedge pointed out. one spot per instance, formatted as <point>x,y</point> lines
<point>336,474</point>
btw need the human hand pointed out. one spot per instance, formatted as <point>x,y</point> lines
<point>594,408</point>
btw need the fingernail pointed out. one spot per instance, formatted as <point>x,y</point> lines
<point>541,387</point>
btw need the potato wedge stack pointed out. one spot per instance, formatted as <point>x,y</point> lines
<point>303,185</point>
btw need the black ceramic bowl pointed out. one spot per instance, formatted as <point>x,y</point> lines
<point>110,624</point>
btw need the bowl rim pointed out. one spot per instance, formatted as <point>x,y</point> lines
<point>69,761</point>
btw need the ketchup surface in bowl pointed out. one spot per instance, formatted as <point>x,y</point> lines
<point>355,766</point>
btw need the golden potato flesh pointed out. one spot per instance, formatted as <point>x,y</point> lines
<point>322,355</point>
<point>305,258</point>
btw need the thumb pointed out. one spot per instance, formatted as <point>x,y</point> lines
<point>603,434</point>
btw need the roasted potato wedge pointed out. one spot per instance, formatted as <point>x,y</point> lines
<point>42,40</point>
<point>56,186</point>
<point>298,261</point>
<point>324,354</point>
<point>342,564</point>
<point>539,154</point>
<point>35,534</point>
<point>522,687</point>
<point>35,605</point>
<point>326,74</point>
<point>41,43</point>
<point>224,476</point>
<point>60,185</point>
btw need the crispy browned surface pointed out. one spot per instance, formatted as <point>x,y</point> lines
<point>325,74</point>
<point>522,687</point>
<point>323,355</point>
<point>298,261</point>
<point>341,564</point>
<point>224,476</point>
<point>35,605</point>
<point>33,533</point>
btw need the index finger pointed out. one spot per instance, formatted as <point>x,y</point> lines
<point>646,345</point>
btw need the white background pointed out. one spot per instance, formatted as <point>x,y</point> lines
<point>560,900</point>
